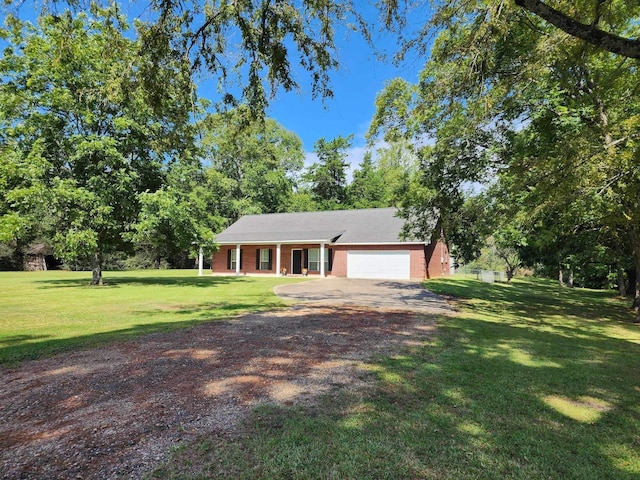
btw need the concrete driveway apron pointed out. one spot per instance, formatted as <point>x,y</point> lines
<point>387,294</point>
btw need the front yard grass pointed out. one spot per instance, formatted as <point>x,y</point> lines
<point>47,312</point>
<point>526,381</point>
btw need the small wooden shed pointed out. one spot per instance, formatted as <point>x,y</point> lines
<point>35,257</point>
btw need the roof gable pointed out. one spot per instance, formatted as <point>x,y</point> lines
<point>367,226</point>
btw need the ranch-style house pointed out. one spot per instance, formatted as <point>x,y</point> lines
<point>343,243</point>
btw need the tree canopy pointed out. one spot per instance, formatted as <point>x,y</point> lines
<point>106,148</point>
<point>80,139</point>
<point>552,119</point>
<point>589,32</point>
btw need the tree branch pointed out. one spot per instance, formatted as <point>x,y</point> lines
<point>589,33</point>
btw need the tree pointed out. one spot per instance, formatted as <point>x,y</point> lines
<point>183,214</point>
<point>383,182</point>
<point>588,32</point>
<point>261,158</point>
<point>262,46</point>
<point>506,94</point>
<point>470,226</point>
<point>301,201</point>
<point>505,242</point>
<point>83,130</point>
<point>397,164</point>
<point>367,189</point>
<point>327,178</point>
<point>434,201</point>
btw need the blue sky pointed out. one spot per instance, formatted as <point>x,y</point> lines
<point>360,77</point>
<point>355,85</point>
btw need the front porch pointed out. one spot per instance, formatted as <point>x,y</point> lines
<point>278,259</point>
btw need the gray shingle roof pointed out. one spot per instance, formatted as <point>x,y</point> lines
<point>368,226</point>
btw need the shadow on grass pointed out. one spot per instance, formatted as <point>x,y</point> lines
<point>27,347</point>
<point>20,339</point>
<point>206,311</point>
<point>509,402</point>
<point>121,281</point>
<point>164,388</point>
<point>493,396</point>
<point>535,299</point>
<point>472,410</point>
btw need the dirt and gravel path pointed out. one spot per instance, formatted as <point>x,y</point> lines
<point>402,295</point>
<point>115,412</point>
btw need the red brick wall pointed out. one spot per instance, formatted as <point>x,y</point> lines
<point>438,263</point>
<point>339,261</point>
<point>419,269</point>
<point>219,260</point>
<point>417,265</point>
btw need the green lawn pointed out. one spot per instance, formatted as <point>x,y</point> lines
<point>527,381</point>
<point>46,312</point>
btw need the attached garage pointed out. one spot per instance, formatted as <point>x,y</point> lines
<point>391,264</point>
<point>339,243</point>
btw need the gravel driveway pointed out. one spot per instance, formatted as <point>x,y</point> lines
<point>376,294</point>
<point>116,411</point>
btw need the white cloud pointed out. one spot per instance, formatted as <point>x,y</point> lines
<point>355,156</point>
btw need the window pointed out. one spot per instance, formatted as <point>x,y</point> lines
<point>265,260</point>
<point>314,259</point>
<point>231,259</point>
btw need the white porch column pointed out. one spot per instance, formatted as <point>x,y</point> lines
<point>322,259</point>
<point>237,259</point>
<point>278,260</point>
<point>200,261</point>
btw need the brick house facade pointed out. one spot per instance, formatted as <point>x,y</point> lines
<point>345,243</point>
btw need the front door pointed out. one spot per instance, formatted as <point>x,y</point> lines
<point>296,262</point>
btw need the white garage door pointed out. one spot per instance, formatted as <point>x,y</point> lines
<point>393,264</point>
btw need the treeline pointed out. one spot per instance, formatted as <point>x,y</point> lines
<point>109,158</point>
<point>517,138</point>
<point>549,124</point>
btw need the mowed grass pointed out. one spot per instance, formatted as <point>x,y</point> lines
<point>46,312</point>
<point>526,381</point>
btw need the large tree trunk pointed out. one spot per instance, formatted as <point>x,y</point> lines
<point>622,283</point>
<point>97,269</point>
<point>570,281</point>
<point>636,296</point>
<point>561,277</point>
<point>510,271</point>
<point>628,47</point>
<point>429,250</point>
<point>636,258</point>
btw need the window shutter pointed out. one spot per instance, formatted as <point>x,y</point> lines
<point>330,259</point>
<point>257,259</point>
<point>305,261</point>
<point>229,259</point>
<point>270,258</point>
<point>240,259</point>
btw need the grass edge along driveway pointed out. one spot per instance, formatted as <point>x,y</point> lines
<point>527,381</point>
<point>48,312</point>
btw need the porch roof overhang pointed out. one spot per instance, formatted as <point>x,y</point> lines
<point>271,238</point>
